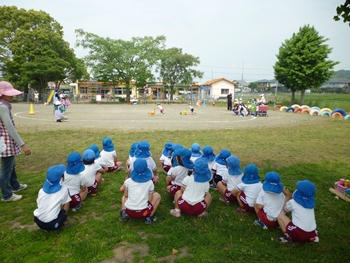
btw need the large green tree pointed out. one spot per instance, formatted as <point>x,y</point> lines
<point>32,49</point>
<point>119,60</point>
<point>302,62</point>
<point>343,11</point>
<point>178,68</point>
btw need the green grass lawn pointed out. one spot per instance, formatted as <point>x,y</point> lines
<point>314,152</point>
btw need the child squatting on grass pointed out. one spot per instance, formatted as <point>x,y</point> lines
<point>194,197</point>
<point>109,155</point>
<point>301,204</point>
<point>139,199</point>
<point>53,200</point>
<point>92,174</point>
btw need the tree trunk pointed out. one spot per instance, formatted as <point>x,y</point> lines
<point>302,97</point>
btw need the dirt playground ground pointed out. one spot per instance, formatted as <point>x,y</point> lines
<point>135,118</point>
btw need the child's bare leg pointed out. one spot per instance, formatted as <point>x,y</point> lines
<point>283,221</point>
<point>177,196</point>
<point>221,188</point>
<point>122,188</point>
<point>155,202</point>
<point>83,193</point>
<point>65,207</point>
<point>207,199</point>
<point>98,177</point>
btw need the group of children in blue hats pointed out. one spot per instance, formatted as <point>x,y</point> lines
<point>189,173</point>
<point>67,187</point>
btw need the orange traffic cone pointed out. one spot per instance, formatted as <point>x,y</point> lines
<point>31,110</point>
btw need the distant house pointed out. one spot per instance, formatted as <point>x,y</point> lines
<point>242,84</point>
<point>336,86</point>
<point>265,84</point>
<point>217,88</point>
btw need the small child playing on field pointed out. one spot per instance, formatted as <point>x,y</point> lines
<point>247,191</point>
<point>269,202</point>
<point>92,174</point>
<point>139,199</point>
<point>165,158</point>
<point>195,151</point>
<point>73,180</point>
<point>191,109</point>
<point>230,179</point>
<point>109,155</point>
<point>160,107</point>
<point>301,204</point>
<point>177,174</point>
<point>194,197</point>
<point>53,200</point>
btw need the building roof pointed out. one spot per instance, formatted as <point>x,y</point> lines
<point>211,82</point>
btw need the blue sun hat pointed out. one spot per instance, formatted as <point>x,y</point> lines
<point>251,174</point>
<point>195,150</point>
<point>89,155</point>
<point>168,147</point>
<point>107,144</point>
<point>201,172</point>
<point>75,165</point>
<point>96,150</point>
<point>141,172</point>
<point>173,155</point>
<point>208,153</point>
<point>52,182</point>
<point>223,155</point>
<point>133,148</point>
<point>143,150</point>
<point>272,183</point>
<point>234,165</point>
<point>185,154</point>
<point>305,194</point>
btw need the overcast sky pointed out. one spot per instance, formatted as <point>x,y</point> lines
<point>232,38</point>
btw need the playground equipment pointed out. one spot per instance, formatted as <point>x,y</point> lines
<point>50,97</point>
<point>184,112</point>
<point>152,113</point>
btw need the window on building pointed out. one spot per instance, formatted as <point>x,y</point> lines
<point>224,91</point>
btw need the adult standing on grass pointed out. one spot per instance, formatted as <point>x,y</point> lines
<point>14,144</point>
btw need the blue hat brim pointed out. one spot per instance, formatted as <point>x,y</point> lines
<point>273,188</point>
<point>304,202</point>
<point>53,187</point>
<point>141,178</point>
<point>234,171</point>
<point>196,154</point>
<point>249,180</point>
<point>76,168</point>
<point>142,154</point>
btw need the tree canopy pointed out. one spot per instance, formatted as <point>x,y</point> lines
<point>32,49</point>
<point>343,11</point>
<point>119,60</point>
<point>302,61</point>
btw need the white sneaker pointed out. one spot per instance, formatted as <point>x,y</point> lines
<point>14,197</point>
<point>21,187</point>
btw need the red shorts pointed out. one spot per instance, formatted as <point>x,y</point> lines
<point>196,209</point>
<point>299,235</point>
<point>93,188</point>
<point>230,197</point>
<point>263,217</point>
<point>174,188</point>
<point>113,168</point>
<point>245,204</point>
<point>166,168</point>
<point>138,214</point>
<point>76,200</point>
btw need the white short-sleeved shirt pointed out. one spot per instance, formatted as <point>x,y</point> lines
<point>138,194</point>
<point>193,159</point>
<point>219,168</point>
<point>211,165</point>
<point>165,159</point>
<point>179,173</point>
<point>150,164</point>
<point>108,157</point>
<point>194,191</point>
<point>273,203</point>
<point>49,205</point>
<point>302,217</point>
<point>101,162</point>
<point>251,191</point>
<point>231,181</point>
<point>89,174</point>
<point>73,183</point>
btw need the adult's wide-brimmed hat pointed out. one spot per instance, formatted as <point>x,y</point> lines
<point>201,173</point>
<point>223,155</point>
<point>107,144</point>
<point>52,182</point>
<point>251,174</point>
<point>7,89</point>
<point>143,150</point>
<point>75,165</point>
<point>141,172</point>
<point>305,194</point>
<point>234,165</point>
<point>196,150</point>
<point>272,183</point>
<point>208,153</point>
